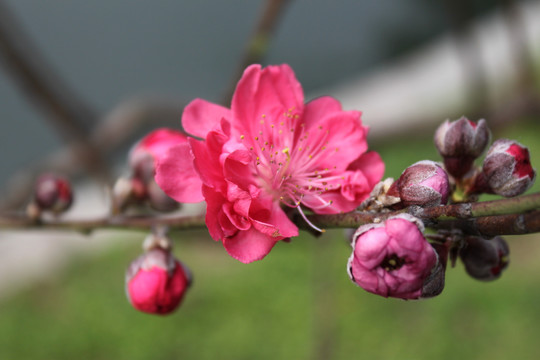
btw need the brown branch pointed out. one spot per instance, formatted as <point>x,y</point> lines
<point>490,226</point>
<point>259,42</point>
<point>20,221</point>
<point>518,215</point>
<point>66,112</point>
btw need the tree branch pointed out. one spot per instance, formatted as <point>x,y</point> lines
<point>520,215</point>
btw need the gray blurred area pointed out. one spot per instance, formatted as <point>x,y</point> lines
<point>110,51</point>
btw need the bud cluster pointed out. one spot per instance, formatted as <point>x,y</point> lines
<point>506,169</point>
<point>393,258</point>
<point>141,188</point>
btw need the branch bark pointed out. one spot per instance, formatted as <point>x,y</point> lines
<point>520,215</point>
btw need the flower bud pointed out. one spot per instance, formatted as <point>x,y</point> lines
<point>485,259</point>
<point>424,183</point>
<point>156,282</point>
<point>53,192</point>
<point>127,191</point>
<point>158,200</point>
<point>460,142</point>
<point>392,259</point>
<point>507,168</point>
<point>143,155</point>
<point>434,283</point>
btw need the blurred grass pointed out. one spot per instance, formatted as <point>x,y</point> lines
<point>296,304</point>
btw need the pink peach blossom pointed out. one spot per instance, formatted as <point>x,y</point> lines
<point>267,151</point>
<point>392,259</point>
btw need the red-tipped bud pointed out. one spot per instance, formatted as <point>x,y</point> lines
<point>156,282</point>
<point>460,142</point>
<point>53,193</point>
<point>507,168</point>
<point>485,259</point>
<point>143,156</point>
<point>424,183</point>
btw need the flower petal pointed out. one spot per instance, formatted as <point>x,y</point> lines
<point>248,246</point>
<point>176,175</point>
<point>260,92</point>
<point>371,165</point>
<point>201,116</point>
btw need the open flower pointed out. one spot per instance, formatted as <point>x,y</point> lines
<point>392,259</point>
<point>269,150</point>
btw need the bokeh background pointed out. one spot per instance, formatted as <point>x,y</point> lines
<point>125,67</point>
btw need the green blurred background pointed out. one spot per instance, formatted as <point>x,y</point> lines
<point>298,303</point>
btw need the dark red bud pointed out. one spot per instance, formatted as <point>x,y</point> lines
<point>53,193</point>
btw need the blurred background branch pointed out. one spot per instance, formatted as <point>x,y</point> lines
<point>66,112</point>
<point>259,42</point>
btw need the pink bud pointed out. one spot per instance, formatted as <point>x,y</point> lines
<point>424,183</point>
<point>507,168</point>
<point>53,192</point>
<point>143,155</point>
<point>156,282</point>
<point>485,259</point>
<point>392,259</point>
<point>460,142</point>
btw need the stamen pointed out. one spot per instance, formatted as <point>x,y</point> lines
<point>309,222</point>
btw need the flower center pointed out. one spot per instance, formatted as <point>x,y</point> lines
<point>392,262</point>
<point>288,160</point>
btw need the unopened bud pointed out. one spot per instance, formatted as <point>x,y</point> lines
<point>507,168</point>
<point>392,259</point>
<point>434,283</point>
<point>127,191</point>
<point>143,155</point>
<point>485,259</point>
<point>158,200</point>
<point>156,282</point>
<point>460,142</point>
<point>53,193</point>
<point>424,183</point>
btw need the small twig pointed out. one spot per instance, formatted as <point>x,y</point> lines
<point>257,45</point>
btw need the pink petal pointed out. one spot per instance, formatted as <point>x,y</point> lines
<point>201,116</point>
<point>262,91</point>
<point>159,141</point>
<point>207,163</point>
<point>214,214</point>
<point>317,109</point>
<point>176,175</point>
<point>248,246</point>
<point>337,140</point>
<point>278,225</point>
<point>371,165</point>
